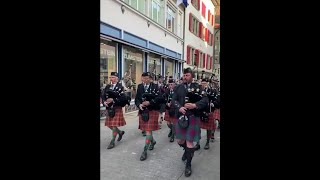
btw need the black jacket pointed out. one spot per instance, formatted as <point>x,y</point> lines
<point>155,103</point>
<point>122,100</point>
<point>178,99</point>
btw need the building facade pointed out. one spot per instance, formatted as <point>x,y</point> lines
<point>217,39</point>
<point>138,36</point>
<point>199,37</point>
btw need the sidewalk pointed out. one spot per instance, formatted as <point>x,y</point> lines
<point>163,163</point>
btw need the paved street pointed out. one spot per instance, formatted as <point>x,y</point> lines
<point>163,162</point>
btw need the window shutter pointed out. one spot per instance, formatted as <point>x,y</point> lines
<point>190,22</point>
<point>204,60</point>
<point>188,55</point>
<point>200,29</point>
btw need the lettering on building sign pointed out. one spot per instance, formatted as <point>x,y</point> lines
<point>152,60</point>
<point>132,56</point>
<point>106,52</point>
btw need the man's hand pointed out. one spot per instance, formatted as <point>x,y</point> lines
<point>146,103</point>
<point>109,100</point>
<point>190,105</point>
<point>183,110</point>
<point>141,106</point>
<point>169,104</point>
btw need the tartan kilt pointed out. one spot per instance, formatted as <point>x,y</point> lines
<point>210,125</point>
<point>152,123</point>
<point>117,121</point>
<point>168,118</point>
<point>216,114</point>
<point>192,133</point>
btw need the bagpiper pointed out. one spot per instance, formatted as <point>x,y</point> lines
<point>148,100</point>
<point>114,99</point>
<point>189,101</point>
<point>207,118</point>
<point>170,114</point>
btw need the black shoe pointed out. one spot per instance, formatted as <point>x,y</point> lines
<point>197,147</point>
<point>152,145</point>
<point>143,133</point>
<point>188,171</point>
<point>184,157</point>
<point>170,133</point>
<point>172,138</point>
<point>207,146</point>
<point>143,156</point>
<point>120,135</point>
<point>111,145</point>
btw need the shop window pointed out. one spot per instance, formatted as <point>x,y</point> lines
<point>108,61</point>
<point>132,68</point>
<point>154,64</point>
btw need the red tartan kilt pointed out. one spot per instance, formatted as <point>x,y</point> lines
<point>152,124</point>
<point>210,125</point>
<point>170,119</point>
<point>117,121</point>
<point>216,114</point>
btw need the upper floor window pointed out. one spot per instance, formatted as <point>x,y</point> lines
<point>196,4</point>
<point>170,19</point>
<point>155,14</point>
<point>139,5</point>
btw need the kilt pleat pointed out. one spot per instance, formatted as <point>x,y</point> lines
<point>210,125</point>
<point>192,133</point>
<point>168,118</point>
<point>116,121</point>
<point>152,123</point>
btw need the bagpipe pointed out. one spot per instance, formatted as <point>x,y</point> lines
<point>170,109</point>
<point>118,96</point>
<point>194,95</point>
<point>154,99</point>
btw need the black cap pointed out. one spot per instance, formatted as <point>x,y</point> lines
<point>146,74</point>
<point>170,77</point>
<point>204,80</point>
<point>187,70</point>
<point>171,81</point>
<point>114,74</point>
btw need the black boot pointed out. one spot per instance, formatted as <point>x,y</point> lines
<point>111,145</point>
<point>207,145</point>
<point>212,135</point>
<point>120,135</point>
<point>189,154</point>
<point>170,126</point>
<point>197,146</point>
<point>143,155</point>
<point>184,145</point>
<point>172,138</point>
<point>152,145</point>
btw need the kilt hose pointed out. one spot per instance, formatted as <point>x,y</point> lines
<point>192,132</point>
<point>116,121</point>
<point>173,119</point>
<point>210,125</point>
<point>152,124</point>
